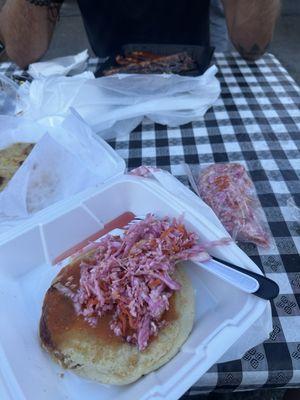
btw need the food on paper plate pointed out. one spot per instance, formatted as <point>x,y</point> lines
<point>144,62</point>
<point>11,159</point>
<point>229,191</point>
<point>126,307</point>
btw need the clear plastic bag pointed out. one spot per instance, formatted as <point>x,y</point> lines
<point>8,95</point>
<point>229,191</point>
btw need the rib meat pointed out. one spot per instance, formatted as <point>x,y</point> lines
<point>141,62</point>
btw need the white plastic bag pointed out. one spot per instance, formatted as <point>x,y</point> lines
<point>73,64</point>
<point>51,97</point>
<point>19,130</point>
<point>115,105</point>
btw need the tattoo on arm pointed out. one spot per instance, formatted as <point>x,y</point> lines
<point>253,53</point>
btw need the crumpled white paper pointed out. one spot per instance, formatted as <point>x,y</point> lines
<point>69,65</point>
<point>114,105</point>
<point>65,160</point>
<point>261,329</point>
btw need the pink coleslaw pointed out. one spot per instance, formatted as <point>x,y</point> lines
<point>132,277</point>
<point>229,191</point>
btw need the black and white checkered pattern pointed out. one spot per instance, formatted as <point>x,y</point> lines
<point>255,122</point>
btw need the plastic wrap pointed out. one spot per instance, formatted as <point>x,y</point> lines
<point>65,160</point>
<point>113,106</point>
<point>229,191</point>
<point>8,95</point>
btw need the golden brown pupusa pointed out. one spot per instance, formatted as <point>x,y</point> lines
<point>96,353</point>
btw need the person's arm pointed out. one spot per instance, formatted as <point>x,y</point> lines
<point>26,30</point>
<point>251,24</point>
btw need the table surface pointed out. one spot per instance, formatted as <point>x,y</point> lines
<point>255,122</point>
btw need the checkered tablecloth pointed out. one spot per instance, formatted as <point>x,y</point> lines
<point>255,122</point>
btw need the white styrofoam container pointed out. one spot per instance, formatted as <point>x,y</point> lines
<point>223,313</point>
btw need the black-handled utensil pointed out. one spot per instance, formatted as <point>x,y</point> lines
<point>265,288</point>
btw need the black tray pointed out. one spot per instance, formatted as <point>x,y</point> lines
<point>202,55</point>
